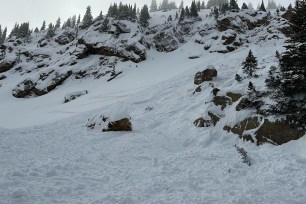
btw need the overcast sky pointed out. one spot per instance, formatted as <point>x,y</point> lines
<point>35,11</point>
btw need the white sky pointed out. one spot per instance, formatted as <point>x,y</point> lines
<point>35,11</point>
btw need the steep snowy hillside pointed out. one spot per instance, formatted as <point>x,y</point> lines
<point>189,127</point>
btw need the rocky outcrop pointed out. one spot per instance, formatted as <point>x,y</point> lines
<point>278,132</point>
<point>6,66</point>
<point>288,15</point>
<point>128,52</point>
<point>28,87</point>
<point>206,75</point>
<point>105,124</point>
<point>65,38</point>
<point>165,42</point>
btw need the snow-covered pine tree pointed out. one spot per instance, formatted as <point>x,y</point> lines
<point>36,30</point>
<point>182,15</point>
<point>4,33</point>
<point>181,5</point>
<point>144,16</point>
<point>203,5</point>
<point>87,19</point>
<point>262,7</point>
<point>58,23</point>
<point>187,12</point>
<point>234,6</point>
<point>105,25</point>
<point>293,67</point>
<point>194,10</point>
<point>153,6</point>
<point>250,64</point>
<point>198,5</point>
<point>51,31</point>
<point>244,6</point>
<point>43,27</point>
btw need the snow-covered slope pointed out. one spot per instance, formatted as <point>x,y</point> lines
<point>53,158</point>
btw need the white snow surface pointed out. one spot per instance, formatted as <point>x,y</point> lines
<point>49,156</point>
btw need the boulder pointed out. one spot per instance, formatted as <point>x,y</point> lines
<point>74,95</point>
<point>164,42</point>
<point>224,24</point>
<point>278,132</point>
<point>206,75</point>
<point>234,96</point>
<point>229,39</point>
<point>6,66</point>
<point>105,124</point>
<point>200,122</point>
<point>288,15</point>
<point>222,101</point>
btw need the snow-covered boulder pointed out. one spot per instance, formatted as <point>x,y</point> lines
<point>118,120</point>
<point>206,75</point>
<point>6,66</point>
<point>74,95</point>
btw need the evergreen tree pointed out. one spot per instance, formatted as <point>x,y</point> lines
<point>105,25</point>
<point>0,35</point>
<point>51,31</point>
<point>43,27</point>
<point>58,23</point>
<point>187,12</point>
<point>144,16</point>
<point>250,64</point>
<point>244,6</point>
<point>293,66</point>
<point>262,7</point>
<point>36,30</point>
<point>216,12</point>
<point>199,5</point>
<point>79,19</point>
<point>181,5</point>
<point>87,19</point>
<point>217,3</point>
<point>3,37</point>
<point>182,15</point>
<point>100,17</point>
<point>203,5</point>
<point>194,9</point>
<point>234,6</point>
<point>250,5</point>
<point>153,6</point>
<point>134,12</point>
<point>73,21</point>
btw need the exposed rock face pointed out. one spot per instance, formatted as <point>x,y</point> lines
<point>65,38</point>
<point>106,125</point>
<point>29,88</point>
<point>229,39</point>
<point>206,75</point>
<point>234,96</point>
<point>165,42</point>
<point>278,132</point>
<point>126,51</point>
<point>6,66</point>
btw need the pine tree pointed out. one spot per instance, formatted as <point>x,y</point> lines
<point>58,23</point>
<point>87,19</point>
<point>250,64</point>
<point>105,25</point>
<point>100,16</point>
<point>234,6</point>
<point>203,5</point>
<point>262,7</point>
<point>51,31</point>
<point>4,33</point>
<point>182,15</point>
<point>43,27</point>
<point>292,62</point>
<point>153,6</point>
<point>250,5</point>
<point>0,35</point>
<point>144,16</point>
<point>216,12</point>
<point>187,12</point>
<point>199,5</point>
<point>194,10</point>
<point>73,21</point>
<point>181,5</point>
<point>244,6</point>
